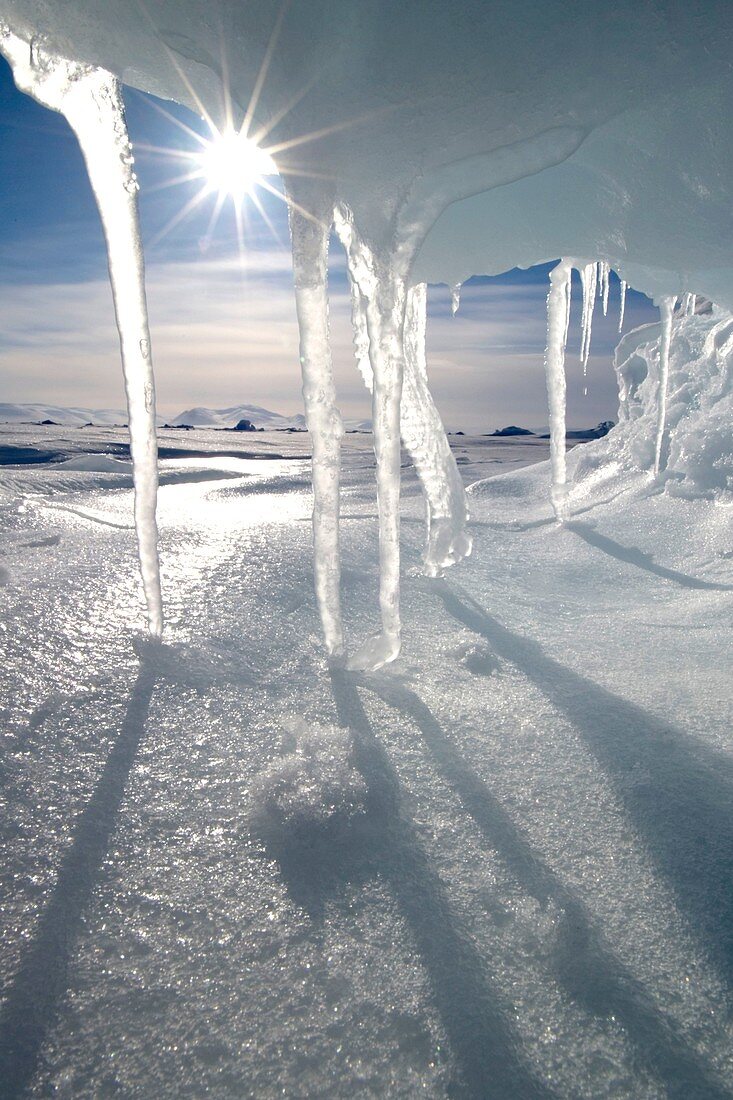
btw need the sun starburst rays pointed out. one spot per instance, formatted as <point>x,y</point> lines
<point>230,162</point>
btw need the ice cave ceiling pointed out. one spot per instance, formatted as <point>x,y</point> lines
<point>588,129</point>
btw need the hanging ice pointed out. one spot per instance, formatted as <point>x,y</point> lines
<point>688,304</point>
<point>91,101</point>
<point>421,427</point>
<point>455,298</point>
<point>604,272</point>
<point>426,442</point>
<point>666,310</point>
<point>588,278</point>
<point>389,342</point>
<point>310,232</point>
<point>558,309</point>
<point>622,305</point>
<point>382,298</point>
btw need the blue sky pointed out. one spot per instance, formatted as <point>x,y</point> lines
<point>224,330</point>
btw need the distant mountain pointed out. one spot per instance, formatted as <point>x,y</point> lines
<point>512,430</point>
<point>202,417</point>
<point>588,433</point>
<point>69,417</point>
<point>198,417</point>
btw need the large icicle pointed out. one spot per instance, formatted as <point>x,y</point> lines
<point>425,439</point>
<point>604,273</point>
<point>558,306</point>
<point>455,298</point>
<point>422,433</point>
<point>382,293</point>
<point>91,101</point>
<point>622,307</point>
<point>666,310</point>
<point>588,278</point>
<point>310,232</point>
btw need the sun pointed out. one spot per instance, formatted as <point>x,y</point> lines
<point>232,165</point>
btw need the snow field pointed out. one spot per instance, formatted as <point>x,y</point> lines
<point>531,895</point>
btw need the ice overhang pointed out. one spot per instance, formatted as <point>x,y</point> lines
<point>379,99</point>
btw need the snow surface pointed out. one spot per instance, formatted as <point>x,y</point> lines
<point>529,892</point>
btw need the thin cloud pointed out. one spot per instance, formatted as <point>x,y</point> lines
<point>225,332</point>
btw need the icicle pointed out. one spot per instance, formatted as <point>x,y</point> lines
<point>90,99</point>
<point>422,430</point>
<point>688,304</point>
<point>310,263</point>
<point>588,277</point>
<point>455,298</point>
<point>666,310</point>
<point>604,271</point>
<point>623,305</point>
<point>425,439</point>
<point>383,293</point>
<point>558,301</point>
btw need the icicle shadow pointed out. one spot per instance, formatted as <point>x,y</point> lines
<point>40,983</point>
<point>478,1023</point>
<point>584,962</point>
<point>681,809</point>
<point>90,99</point>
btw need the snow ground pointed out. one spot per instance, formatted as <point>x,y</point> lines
<point>523,887</point>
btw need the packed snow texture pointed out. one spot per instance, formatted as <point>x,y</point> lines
<point>314,781</point>
<point>535,898</point>
<point>695,455</point>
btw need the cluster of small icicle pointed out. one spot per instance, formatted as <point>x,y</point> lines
<point>594,277</point>
<point>389,323</point>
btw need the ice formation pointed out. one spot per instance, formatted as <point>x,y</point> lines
<point>310,253</point>
<point>589,281</point>
<point>558,316</point>
<point>604,272</point>
<point>434,175</point>
<point>696,458</point>
<point>666,309</point>
<point>91,101</point>
<point>389,339</point>
<point>622,305</point>
<point>455,298</point>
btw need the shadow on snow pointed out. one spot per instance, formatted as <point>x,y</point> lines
<point>41,981</point>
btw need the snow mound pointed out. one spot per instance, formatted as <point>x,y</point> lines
<point>71,417</point>
<point>97,464</point>
<point>315,781</point>
<point>697,443</point>
<point>203,417</point>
